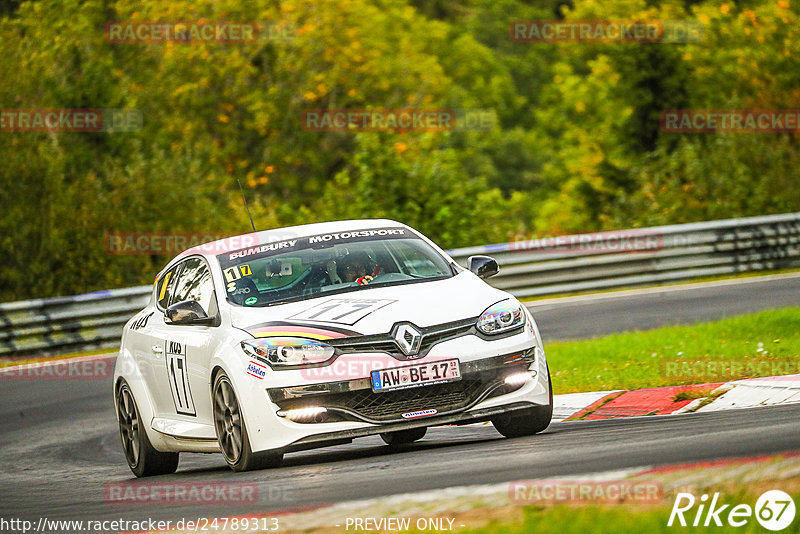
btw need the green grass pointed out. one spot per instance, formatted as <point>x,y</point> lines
<point>741,344</point>
<point>692,394</point>
<point>617,519</point>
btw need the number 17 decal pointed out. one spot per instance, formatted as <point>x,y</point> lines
<point>179,378</point>
<point>345,311</point>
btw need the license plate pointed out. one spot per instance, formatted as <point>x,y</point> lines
<point>421,374</point>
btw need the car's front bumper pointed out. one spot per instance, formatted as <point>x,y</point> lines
<point>344,436</point>
<point>352,407</point>
<point>354,400</point>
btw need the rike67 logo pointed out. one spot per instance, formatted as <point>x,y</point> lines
<point>774,510</point>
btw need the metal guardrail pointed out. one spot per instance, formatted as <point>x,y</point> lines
<point>529,268</point>
<point>645,256</point>
<point>650,256</point>
<point>67,324</point>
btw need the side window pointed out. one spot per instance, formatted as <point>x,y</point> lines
<point>165,287</point>
<point>194,283</point>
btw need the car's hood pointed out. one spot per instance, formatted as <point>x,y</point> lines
<point>372,310</point>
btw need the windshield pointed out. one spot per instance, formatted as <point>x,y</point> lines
<point>308,267</point>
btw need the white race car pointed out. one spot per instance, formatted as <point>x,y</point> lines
<point>309,336</point>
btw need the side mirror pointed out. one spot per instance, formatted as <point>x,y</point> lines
<point>483,266</point>
<point>187,312</point>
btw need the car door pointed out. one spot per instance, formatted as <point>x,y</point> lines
<point>145,335</point>
<point>182,352</point>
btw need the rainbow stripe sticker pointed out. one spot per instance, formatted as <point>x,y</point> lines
<point>281,329</point>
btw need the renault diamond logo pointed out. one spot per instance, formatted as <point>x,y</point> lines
<point>407,338</point>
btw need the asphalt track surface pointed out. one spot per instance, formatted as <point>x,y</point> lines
<point>596,315</point>
<point>59,444</point>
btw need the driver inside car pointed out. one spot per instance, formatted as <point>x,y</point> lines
<point>355,268</point>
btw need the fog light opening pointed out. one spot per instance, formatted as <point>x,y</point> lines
<point>313,414</point>
<point>517,379</point>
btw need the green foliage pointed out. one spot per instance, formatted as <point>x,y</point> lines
<point>576,146</point>
<point>420,183</point>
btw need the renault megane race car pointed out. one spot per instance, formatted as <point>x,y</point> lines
<point>309,336</point>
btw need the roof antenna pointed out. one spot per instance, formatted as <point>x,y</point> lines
<point>245,204</point>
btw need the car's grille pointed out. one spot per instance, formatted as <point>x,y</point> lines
<point>384,343</point>
<point>364,404</point>
<point>442,397</point>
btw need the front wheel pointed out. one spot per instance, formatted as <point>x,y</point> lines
<point>143,459</point>
<point>526,422</point>
<point>232,432</point>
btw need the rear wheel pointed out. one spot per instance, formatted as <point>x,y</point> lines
<point>143,459</point>
<point>401,437</point>
<point>232,432</point>
<point>526,422</point>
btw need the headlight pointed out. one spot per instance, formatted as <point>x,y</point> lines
<point>501,317</point>
<point>288,351</point>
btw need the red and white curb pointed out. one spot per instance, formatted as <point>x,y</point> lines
<point>565,406</point>
<point>751,392</point>
<point>747,393</point>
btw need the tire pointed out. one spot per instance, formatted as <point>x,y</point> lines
<point>143,459</point>
<point>402,437</point>
<point>526,422</point>
<point>232,432</point>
